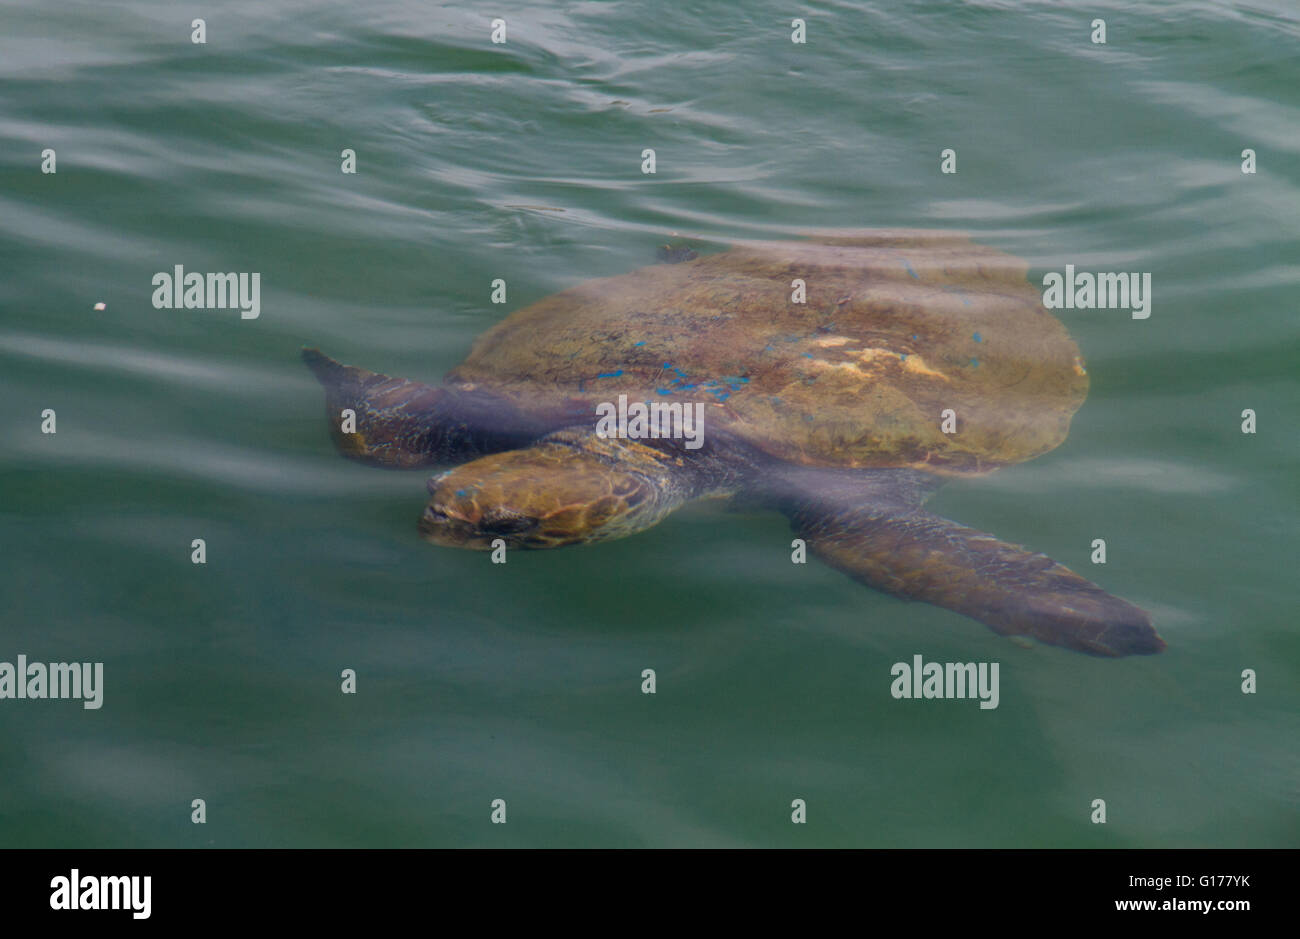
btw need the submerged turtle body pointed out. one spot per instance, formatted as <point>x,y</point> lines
<point>893,329</point>
<point>841,378</point>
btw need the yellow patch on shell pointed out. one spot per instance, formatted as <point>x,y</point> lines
<point>873,358</point>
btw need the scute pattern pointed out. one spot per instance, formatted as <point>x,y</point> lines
<point>897,327</point>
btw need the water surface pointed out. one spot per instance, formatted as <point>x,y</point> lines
<point>522,681</point>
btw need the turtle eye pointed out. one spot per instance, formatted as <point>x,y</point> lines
<point>506,523</point>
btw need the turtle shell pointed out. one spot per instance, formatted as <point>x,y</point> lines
<point>839,350</point>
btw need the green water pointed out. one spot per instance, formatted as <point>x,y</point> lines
<point>522,682</point>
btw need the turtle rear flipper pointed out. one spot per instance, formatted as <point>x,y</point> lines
<point>911,553</point>
<point>675,253</point>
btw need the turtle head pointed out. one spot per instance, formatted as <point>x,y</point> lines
<point>571,487</point>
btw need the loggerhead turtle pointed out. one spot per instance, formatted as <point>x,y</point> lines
<point>911,357</point>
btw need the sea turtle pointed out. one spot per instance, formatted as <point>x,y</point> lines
<point>842,378</point>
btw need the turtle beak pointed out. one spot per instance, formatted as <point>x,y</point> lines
<point>441,527</point>
<point>432,518</point>
<point>454,517</point>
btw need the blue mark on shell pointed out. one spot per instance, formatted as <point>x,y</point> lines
<point>957,290</point>
<point>974,363</point>
<point>641,343</point>
<point>902,356</point>
<point>461,493</point>
<point>613,374</point>
<point>977,337</point>
<point>909,269</point>
<point>807,355</point>
<point>663,391</point>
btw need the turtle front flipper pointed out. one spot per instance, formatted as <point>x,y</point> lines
<point>400,423</point>
<point>912,553</point>
<point>375,418</point>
